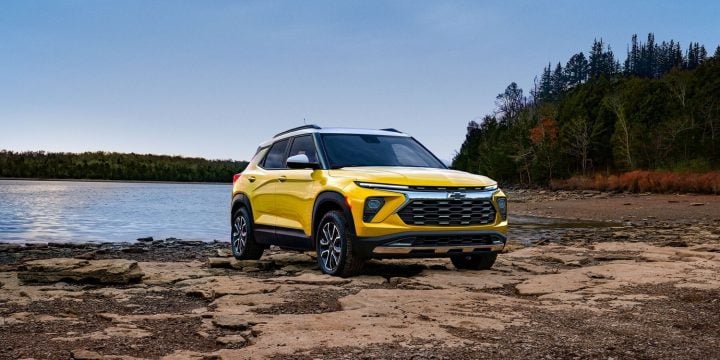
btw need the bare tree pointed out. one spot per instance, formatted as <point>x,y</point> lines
<point>510,102</point>
<point>622,128</point>
<point>579,136</point>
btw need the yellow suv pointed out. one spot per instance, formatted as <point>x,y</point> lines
<point>355,194</point>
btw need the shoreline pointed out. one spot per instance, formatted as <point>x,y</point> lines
<point>117,181</point>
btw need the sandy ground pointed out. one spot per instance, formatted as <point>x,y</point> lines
<point>624,276</point>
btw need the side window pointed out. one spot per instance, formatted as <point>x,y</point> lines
<point>304,145</point>
<point>276,156</point>
<point>258,158</point>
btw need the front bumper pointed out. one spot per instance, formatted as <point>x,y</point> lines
<point>429,244</point>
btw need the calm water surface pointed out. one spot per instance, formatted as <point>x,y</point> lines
<point>75,211</point>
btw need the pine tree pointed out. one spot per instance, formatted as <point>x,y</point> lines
<point>545,89</point>
<point>676,57</point>
<point>609,66</point>
<point>596,59</point>
<point>558,81</point>
<point>576,70</point>
<point>650,57</point>
<point>634,56</point>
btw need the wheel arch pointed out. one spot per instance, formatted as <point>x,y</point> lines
<point>328,201</point>
<point>241,200</point>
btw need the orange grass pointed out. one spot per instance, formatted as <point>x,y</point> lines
<point>645,181</point>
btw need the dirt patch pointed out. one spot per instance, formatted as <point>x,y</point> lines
<point>170,250</point>
<point>40,339</point>
<point>508,290</point>
<point>170,301</point>
<point>74,319</point>
<point>315,301</point>
<point>684,325</point>
<point>633,207</point>
<point>389,269</point>
<point>413,349</point>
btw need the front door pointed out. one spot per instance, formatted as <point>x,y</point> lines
<point>295,197</point>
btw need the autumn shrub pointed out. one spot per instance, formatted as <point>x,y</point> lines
<point>644,181</point>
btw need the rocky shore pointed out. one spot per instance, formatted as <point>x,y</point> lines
<point>586,275</point>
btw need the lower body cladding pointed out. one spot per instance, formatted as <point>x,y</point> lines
<point>430,244</point>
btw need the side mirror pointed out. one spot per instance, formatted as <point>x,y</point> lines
<point>301,161</point>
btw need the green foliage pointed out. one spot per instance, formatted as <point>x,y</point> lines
<point>661,110</point>
<point>115,166</point>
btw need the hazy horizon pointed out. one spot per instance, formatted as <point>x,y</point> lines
<point>213,80</point>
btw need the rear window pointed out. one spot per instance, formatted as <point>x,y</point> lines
<point>276,156</point>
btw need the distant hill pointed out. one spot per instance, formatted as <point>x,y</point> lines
<point>116,166</point>
<point>657,110</point>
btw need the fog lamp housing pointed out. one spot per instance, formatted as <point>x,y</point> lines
<point>502,207</point>
<point>372,207</point>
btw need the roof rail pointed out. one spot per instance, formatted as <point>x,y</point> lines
<point>393,130</point>
<point>296,129</point>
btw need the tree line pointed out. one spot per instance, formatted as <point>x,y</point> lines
<point>657,110</point>
<point>115,166</point>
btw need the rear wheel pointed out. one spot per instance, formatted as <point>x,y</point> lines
<point>334,246</point>
<point>242,240</point>
<point>475,261</point>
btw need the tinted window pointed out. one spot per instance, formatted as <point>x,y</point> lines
<point>373,150</point>
<point>304,145</point>
<point>276,156</point>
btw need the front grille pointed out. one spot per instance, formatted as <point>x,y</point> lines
<point>448,212</point>
<point>450,240</point>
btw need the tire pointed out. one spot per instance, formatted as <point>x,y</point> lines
<point>474,262</point>
<point>242,238</point>
<point>334,242</point>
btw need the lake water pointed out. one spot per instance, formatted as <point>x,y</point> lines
<point>76,211</point>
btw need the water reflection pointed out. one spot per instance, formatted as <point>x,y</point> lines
<point>62,211</point>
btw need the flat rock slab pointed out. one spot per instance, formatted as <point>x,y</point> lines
<point>246,265</point>
<point>81,354</point>
<point>232,340</point>
<point>111,271</point>
<point>310,279</point>
<point>231,322</point>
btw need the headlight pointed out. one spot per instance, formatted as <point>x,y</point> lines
<point>490,187</point>
<point>372,207</point>
<point>381,186</point>
<point>502,207</point>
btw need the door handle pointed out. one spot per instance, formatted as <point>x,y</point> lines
<point>251,178</point>
<point>282,178</point>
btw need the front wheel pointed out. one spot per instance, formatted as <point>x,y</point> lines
<point>242,240</point>
<point>475,261</point>
<point>334,246</point>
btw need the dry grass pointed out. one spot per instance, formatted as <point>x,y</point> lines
<point>645,181</point>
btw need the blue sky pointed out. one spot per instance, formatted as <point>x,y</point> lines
<point>215,78</point>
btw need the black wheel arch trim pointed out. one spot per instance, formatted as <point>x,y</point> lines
<point>241,199</point>
<point>335,198</point>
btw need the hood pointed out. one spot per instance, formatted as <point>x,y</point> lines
<point>412,176</point>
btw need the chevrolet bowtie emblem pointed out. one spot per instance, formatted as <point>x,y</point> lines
<point>456,195</point>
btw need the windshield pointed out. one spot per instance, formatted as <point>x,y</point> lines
<point>345,150</point>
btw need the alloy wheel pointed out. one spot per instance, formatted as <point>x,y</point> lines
<point>330,247</point>
<point>239,234</point>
